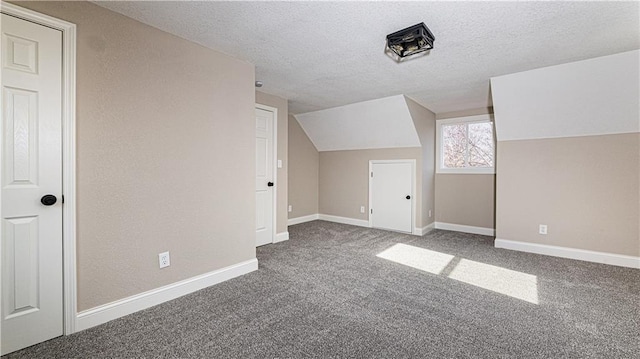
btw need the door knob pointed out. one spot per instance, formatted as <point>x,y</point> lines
<point>270,184</point>
<point>408,197</point>
<point>48,200</point>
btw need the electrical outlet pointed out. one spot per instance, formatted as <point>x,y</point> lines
<point>542,229</point>
<point>164,259</point>
<point>290,208</point>
<point>361,209</point>
<point>429,213</point>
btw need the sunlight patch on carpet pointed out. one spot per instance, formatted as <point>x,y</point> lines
<point>515,284</point>
<point>512,283</point>
<point>416,257</point>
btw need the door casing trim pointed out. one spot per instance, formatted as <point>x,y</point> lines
<point>275,166</point>
<point>68,154</point>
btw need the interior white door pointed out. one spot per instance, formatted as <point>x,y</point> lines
<point>264,177</point>
<point>391,204</point>
<point>32,303</point>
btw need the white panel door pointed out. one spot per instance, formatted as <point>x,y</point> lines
<point>264,177</point>
<point>391,204</point>
<point>31,145</point>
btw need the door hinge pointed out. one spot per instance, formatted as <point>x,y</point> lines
<point>371,210</point>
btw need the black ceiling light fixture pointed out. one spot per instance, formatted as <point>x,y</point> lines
<point>410,41</point>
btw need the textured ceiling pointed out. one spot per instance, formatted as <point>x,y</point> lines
<point>326,54</point>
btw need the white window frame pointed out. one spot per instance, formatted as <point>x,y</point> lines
<point>440,153</point>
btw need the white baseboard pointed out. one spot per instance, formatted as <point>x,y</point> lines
<point>303,219</point>
<point>281,237</point>
<point>104,313</point>
<point>571,253</point>
<point>352,221</point>
<point>365,223</point>
<point>467,229</point>
<point>424,230</point>
<point>344,220</point>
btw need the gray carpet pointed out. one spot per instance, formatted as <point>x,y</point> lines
<point>325,293</point>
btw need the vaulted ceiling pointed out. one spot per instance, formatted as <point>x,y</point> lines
<point>326,54</point>
<point>380,123</point>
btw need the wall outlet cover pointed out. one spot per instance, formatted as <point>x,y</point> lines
<point>542,229</point>
<point>164,260</point>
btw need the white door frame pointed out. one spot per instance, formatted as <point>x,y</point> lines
<point>68,154</point>
<point>412,162</point>
<point>275,165</point>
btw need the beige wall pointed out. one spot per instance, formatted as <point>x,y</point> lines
<point>424,121</point>
<point>303,172</point>
<point>344,180</point>
<point>283,143</point>
<point>585,189</point>
<point>465,199</point>
<point>165,155</point>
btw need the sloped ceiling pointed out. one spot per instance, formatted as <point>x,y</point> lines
<point>591,97</point>
<point>321,54</point>
<point>381,123</point>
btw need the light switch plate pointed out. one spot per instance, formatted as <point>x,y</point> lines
<point>279,163</point>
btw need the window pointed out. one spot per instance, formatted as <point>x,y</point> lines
<point>465,145</point>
